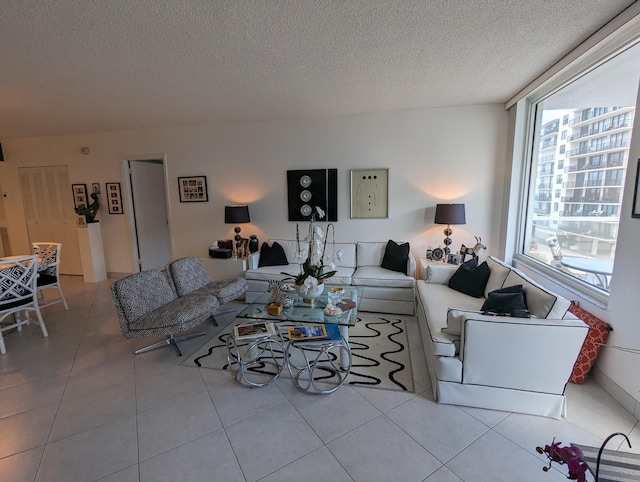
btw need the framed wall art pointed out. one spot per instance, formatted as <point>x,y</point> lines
<point>79,195</point>
<point>369,193</point>
<point>635,209</point>
<point>193,189</point>
<point>312,188</point>
<point>114,198</point>
<point>95,187</point>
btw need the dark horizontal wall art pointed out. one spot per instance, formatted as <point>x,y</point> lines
<point>311,188</point>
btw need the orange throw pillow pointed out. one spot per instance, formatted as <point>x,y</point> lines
<point>598,333</point>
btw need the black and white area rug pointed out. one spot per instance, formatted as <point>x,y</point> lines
<point>379,347</point>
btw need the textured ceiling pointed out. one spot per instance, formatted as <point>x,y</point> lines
<point>78,66</point>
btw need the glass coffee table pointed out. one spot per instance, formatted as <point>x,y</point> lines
<point>309,359</point>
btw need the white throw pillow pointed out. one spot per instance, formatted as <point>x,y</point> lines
<point>439,274</point>
<point>498,274</point>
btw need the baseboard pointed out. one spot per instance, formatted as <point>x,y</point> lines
<point>620,395</point>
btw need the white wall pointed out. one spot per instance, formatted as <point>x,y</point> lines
<point>455,154</point>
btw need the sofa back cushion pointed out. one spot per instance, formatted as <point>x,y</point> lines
<point>370,254</point>
<point>348,259</point>
<point>348,251</point>
<point>498,274</point>
<point>541,302</point>
<point>439,273</point>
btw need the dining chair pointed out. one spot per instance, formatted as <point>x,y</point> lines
<point>49,271</point>
<point>18,294</point>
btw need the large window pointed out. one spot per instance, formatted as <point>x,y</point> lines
<point>598,108</point>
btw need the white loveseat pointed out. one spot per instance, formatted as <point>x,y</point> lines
<point>497,362</point>
<point>384,291</point>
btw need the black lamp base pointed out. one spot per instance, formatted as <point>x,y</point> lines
<point>447,241</point>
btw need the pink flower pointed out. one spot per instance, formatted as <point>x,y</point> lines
<point>570,455</point>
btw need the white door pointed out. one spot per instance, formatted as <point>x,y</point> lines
<point>48,206</point>
<point>150,213</point>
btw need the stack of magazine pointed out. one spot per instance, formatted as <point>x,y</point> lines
<point>253,330</point>
<point>314,332</point>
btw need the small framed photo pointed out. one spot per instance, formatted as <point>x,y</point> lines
<point>81,221</point>
<point>79,195</point>
<point>453,259</point>
<point>193,189</point>
<point>114,197</point>
<point>95,187</point>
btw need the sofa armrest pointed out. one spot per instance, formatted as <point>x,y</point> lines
<point>411,265</point>
<point>253,260</point>
<point>520,353</point>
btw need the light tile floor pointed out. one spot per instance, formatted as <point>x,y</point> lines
<point>79,406</point>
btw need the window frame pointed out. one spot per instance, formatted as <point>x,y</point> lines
<point>524,115</point>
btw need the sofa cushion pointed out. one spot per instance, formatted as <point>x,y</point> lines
<point>379,276</point>
<point>541,303</point>
<point>498,273</point>
<point>439,274</point>
<point>470,278</point>
<point>505,300</point>
<point>454,321</point>
<point>370,254</point>
<point>396,256</point>
<point>272,255</point>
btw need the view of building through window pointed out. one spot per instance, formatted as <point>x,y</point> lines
<point>579,164</point>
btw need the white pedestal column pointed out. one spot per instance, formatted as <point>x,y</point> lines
<point>92,253</point>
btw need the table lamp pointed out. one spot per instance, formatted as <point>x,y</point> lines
<point>237,214</point>
<point>449,214</point>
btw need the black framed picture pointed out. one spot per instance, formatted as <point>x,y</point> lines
<point>193,189</point>
<point>635,209</point>
<point>79,195</point>
<point>114,198</point>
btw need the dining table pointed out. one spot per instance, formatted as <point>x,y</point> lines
<point>602,268</point>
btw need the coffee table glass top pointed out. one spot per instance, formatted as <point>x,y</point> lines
<point>304,312</point>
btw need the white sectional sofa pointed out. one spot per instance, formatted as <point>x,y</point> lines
<point>385,291</point>
<point>497,362</point>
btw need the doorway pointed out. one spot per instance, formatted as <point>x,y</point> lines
<point>151,236</point>
<point>48,207</point>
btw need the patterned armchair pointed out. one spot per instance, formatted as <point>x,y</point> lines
<point>147,305</point>
<point>189,275</point>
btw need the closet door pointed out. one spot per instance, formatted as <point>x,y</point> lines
<point>48,205</point>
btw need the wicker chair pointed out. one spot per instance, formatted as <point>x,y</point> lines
<point>49,271</point>
<point>18,294</point>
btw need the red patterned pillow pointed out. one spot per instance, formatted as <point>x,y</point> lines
<point>598,333</point>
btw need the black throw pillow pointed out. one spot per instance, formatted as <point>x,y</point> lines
<point>512,289</point>
<point>396,257</point>
<point>470,278</point>
<point>505,300</point>
<point>272,255</point>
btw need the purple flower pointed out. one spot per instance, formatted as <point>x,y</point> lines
<point>570,455</point>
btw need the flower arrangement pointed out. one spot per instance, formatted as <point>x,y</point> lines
<point>574,458</point>
<point>570,455</point>
<point>313,270</point>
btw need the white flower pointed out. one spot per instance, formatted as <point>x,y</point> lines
<point>310,283</point>
<point>332,266</point>
<point>337,255</point>
<point>320,212</point>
